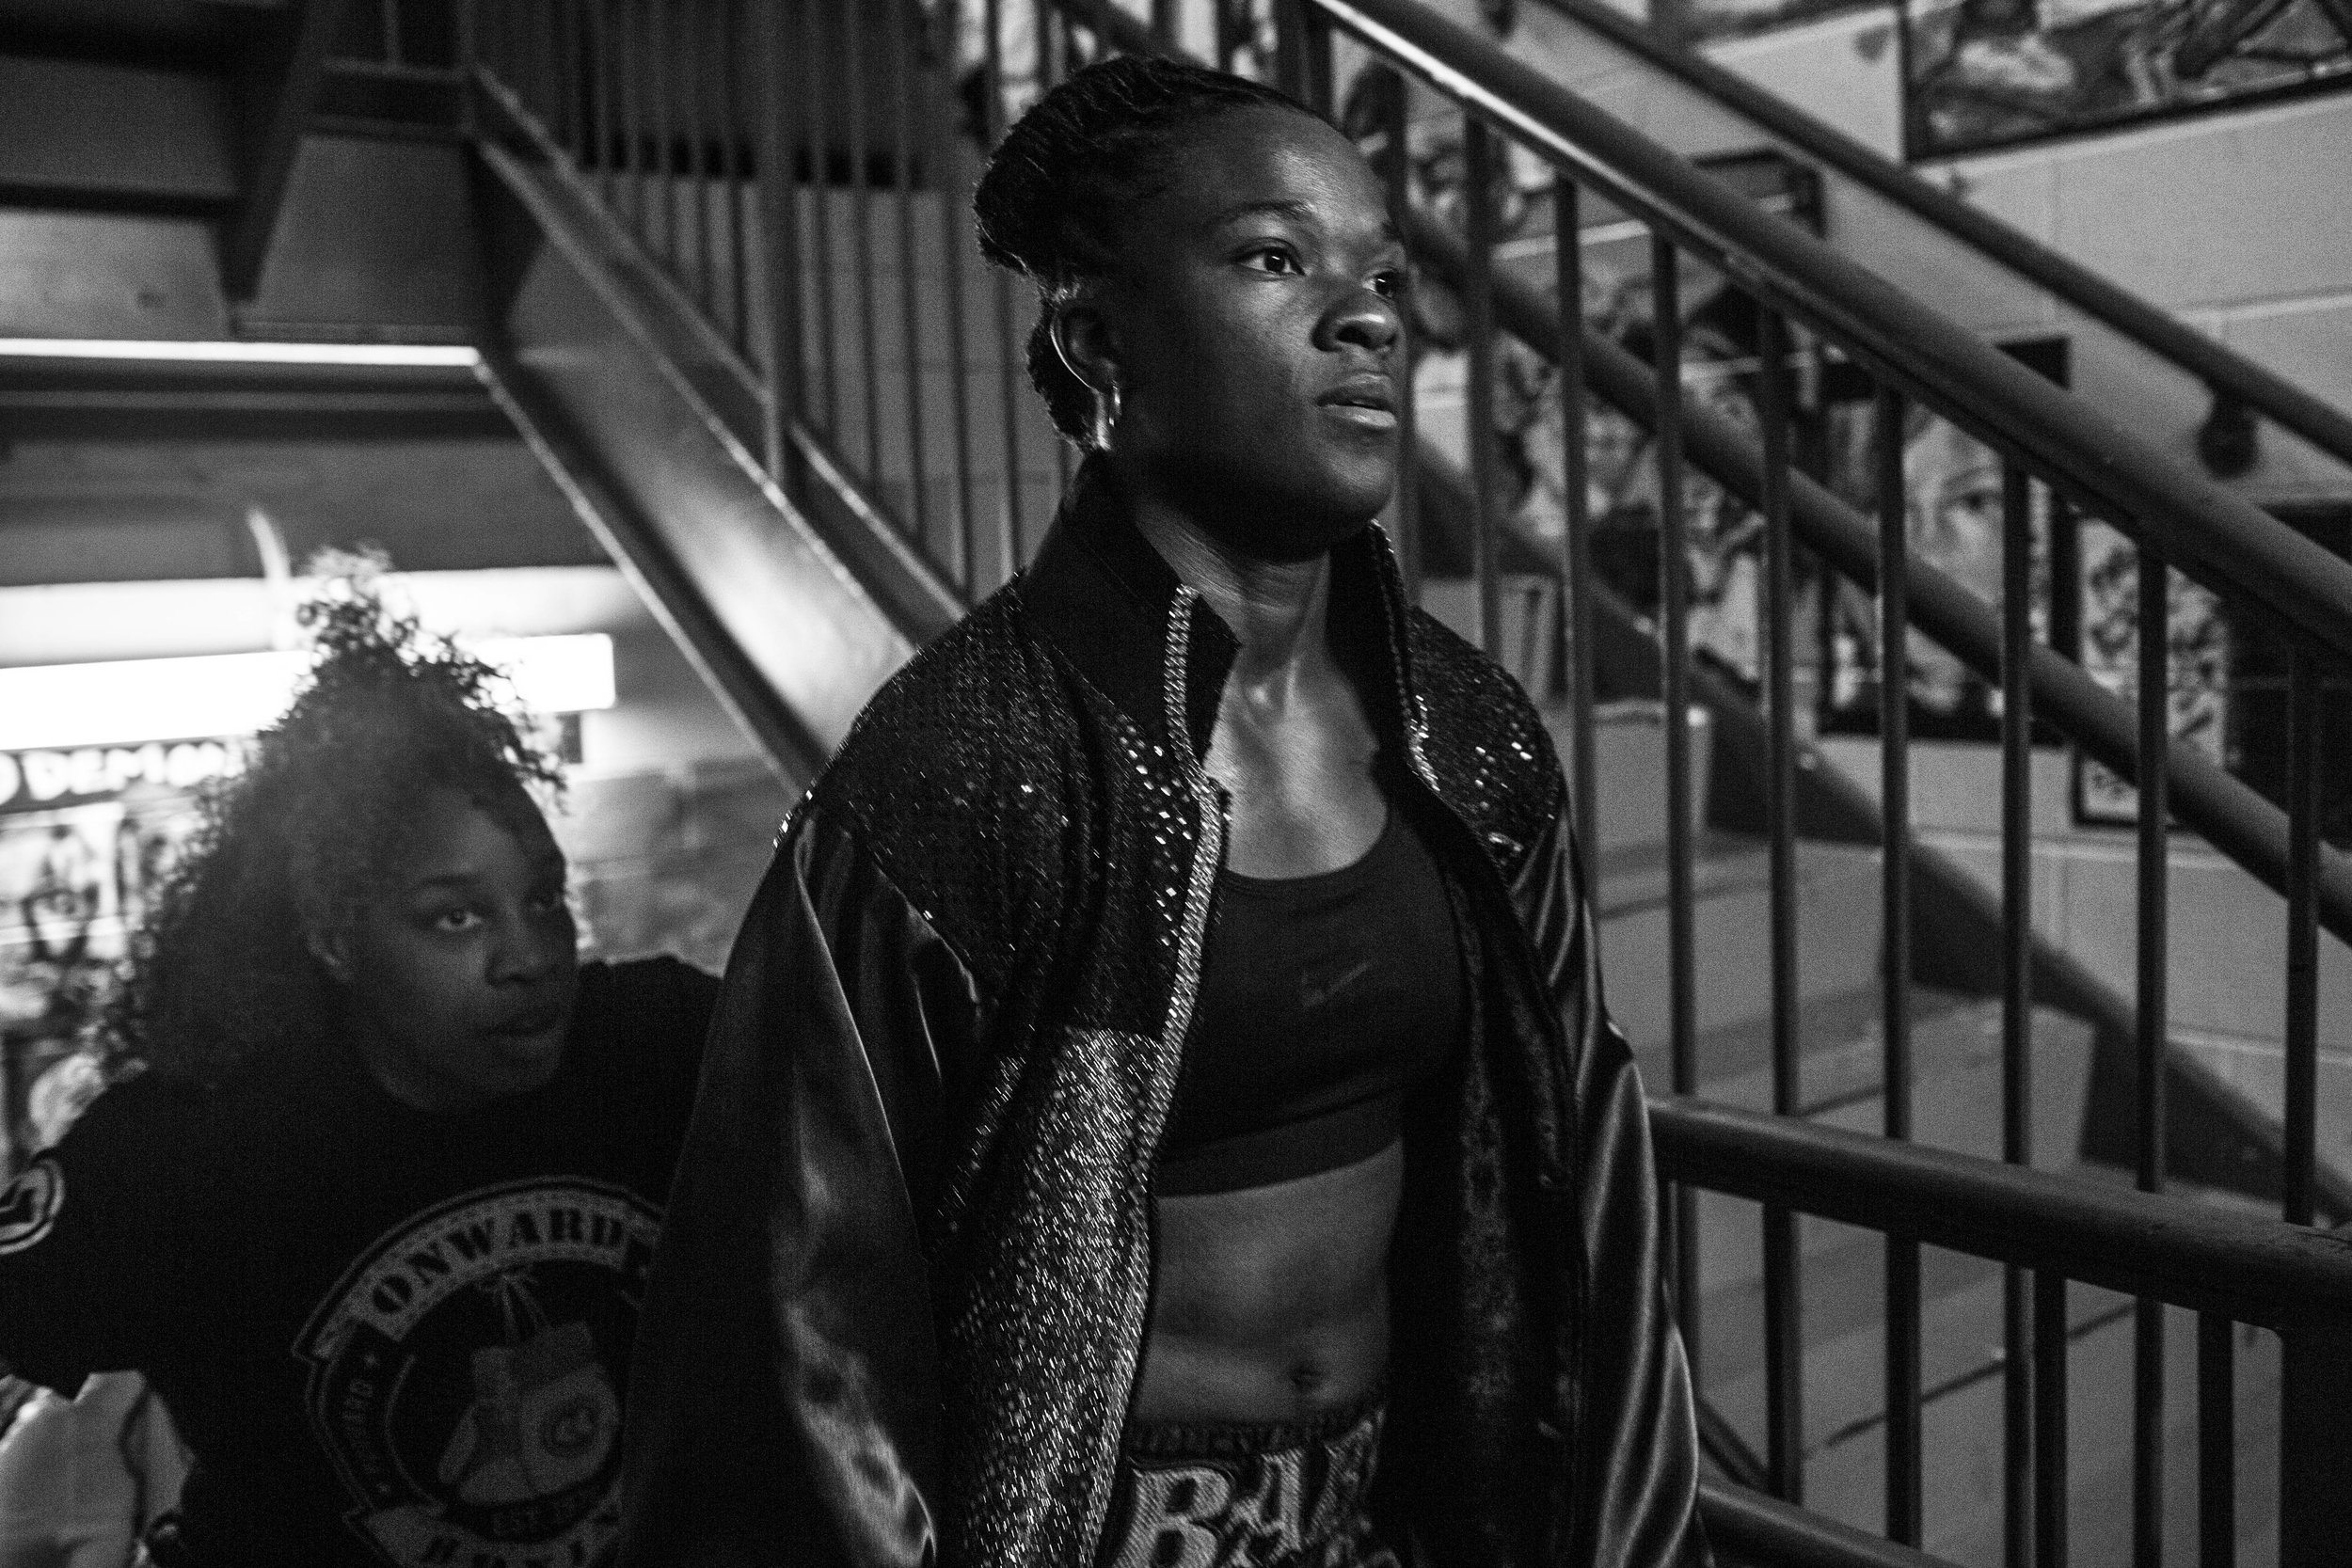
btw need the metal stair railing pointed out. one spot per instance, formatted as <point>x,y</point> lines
<point>2224,371</point>
<point>2044,437</point>
<point>779,160</point>
<point>2228,1268</point>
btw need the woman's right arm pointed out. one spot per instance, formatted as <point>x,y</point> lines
<point>784,1401</point>
<point>92,1238</point>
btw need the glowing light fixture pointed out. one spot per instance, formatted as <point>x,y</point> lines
<point>125,701</point>
<point>225,353</point>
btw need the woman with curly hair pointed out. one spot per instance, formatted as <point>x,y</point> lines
<point>371,1196</point>
<point>1161,1108</point>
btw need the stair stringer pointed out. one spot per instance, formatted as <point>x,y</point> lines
<point>650,427</point>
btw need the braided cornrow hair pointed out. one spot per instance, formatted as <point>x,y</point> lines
<point>1066,175</point>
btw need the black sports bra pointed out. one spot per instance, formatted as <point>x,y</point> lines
<point>1323,998</point>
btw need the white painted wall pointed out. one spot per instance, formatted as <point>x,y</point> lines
<point>2240,222</point>
<point>2237,221</point>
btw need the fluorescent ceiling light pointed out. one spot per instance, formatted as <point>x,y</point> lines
<point>447,355</point>
<point>126,702</point>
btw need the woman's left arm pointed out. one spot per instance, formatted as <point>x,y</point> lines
<point>1635,1446</point>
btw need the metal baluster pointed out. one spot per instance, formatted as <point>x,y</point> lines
<point>2304,758</point>
<point>576,75</point>
<point>2155,703</point>
<point>573,82</point>
<point>1576,535</point>
<point>910,329</point>
<point>563,73</point>
<point>953,239</point>
<point>546,82</point>
<point>495,40</point>
<point>658,70</point>
<point>1903,1519</point>
<point>2017,988</point>
<point>732,166</point>
<point>1783,1338</point>
<point>2217,1442</point>
<point>698,170</point>
<point>1478,325</point>
<point>522,73</point>
<point>633,115</point>
<point>862,239</point>
<point>2315,1442</point>
<point>818,100</point>
<point>780,239</point>
<point>2049,1420</point>
<point>1009,342</point>
<point>1673,599</point>
<point>1303,51</point>
<point>605,104</point>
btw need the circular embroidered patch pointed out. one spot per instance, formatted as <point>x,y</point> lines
<point>28,1209</point>
<point>466,1374</point>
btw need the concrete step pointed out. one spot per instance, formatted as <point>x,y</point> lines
<point>1956,1104</point>
<point>1962,1360</point>
<point>1956,1051</point>
<point>1837,932</point>
<point>1630,768</point>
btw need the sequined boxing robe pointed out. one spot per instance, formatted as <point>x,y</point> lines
<point>899,1306</point>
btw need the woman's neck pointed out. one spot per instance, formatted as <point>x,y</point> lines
<point>1275,609</point>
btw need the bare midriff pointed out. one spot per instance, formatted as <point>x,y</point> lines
<point>1271,1304</point>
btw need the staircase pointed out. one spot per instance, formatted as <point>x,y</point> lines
<point>1943,232</point>
<point>875,424</point>
<point>713,254</point>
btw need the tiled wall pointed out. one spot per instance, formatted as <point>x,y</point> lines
<point>2226,979</point>
<point>2234,220</point>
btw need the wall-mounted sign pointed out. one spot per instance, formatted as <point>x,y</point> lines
<point>128,702</point>
<point>1981,73</point>
<point>43,779</point>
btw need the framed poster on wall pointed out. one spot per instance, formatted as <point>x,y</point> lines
<point>1986,74</point>
<point>1952,515</point>
<point>2229,678</point>
<point>2197,635</point>
<point>1698,20</point>
<point>2258,692</point>
<point>84,837</point>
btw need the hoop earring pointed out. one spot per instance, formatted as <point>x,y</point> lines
<point>1106,412</point>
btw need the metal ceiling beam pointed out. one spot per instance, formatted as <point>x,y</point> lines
<point>74,399</point>
<point>90,134</point>
<point>273,95</point>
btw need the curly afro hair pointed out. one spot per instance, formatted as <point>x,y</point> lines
<point>1063,179</point>
<point>297,841</point>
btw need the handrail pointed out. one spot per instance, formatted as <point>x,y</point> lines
<point>2194,523</point>
<point>1850,813</point>
<point>2232,816</point>
<point>2220,367</point>
<point>1747,1526</point>
<point>2284,1276</point>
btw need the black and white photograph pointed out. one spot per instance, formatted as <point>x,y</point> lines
<point>1175,783</point>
